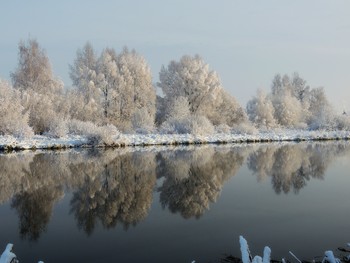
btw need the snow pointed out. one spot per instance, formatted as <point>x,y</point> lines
<point>329,257</point>
<point>73,141</point>
<point>246,253</point>
<point>7,256</point>
<point>244,250</point>
<point>267,255</point>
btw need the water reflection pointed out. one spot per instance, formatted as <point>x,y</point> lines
<point>119,191</point>
<point>194,179</point>
<point>291,166</point>
<point>116,187</point>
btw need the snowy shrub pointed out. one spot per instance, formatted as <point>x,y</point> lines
<point>95,135</point>
<point>200,125</point>
<point>244,128</point>
<point>41,112</point>
<point>13,118</point>
<point>196,125</point>
<point>58,128</point>
<point>173,126</point>
<point>223,128</point>
<point>103,135</point>
<point>142,121</point>
<point>342,122</point>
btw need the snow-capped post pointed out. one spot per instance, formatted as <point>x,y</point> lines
<point>8,256</point>
<point>246,257</point>
<point>330,258</point>
<point>267,255</point>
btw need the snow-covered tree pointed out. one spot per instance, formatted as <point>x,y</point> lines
<point>41,91</point>
<point>321,113</point>
<point>288,110</point>
<point>115,87</point>
<point>293,104</point>
<point>261,111</point>
<point>107,82</point>
<point>178,108</point>
<point>86,102</point>
<point>34,70</point>
<point>191,78</point>
<point>13,118</point>
<point>83,71</point>
<point>136,90</point>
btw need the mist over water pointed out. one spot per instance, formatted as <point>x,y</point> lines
<point>175,204</point>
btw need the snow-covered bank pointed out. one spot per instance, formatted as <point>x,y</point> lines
<point>121,140</point>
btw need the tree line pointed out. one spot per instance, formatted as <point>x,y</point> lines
<point>115,92</point>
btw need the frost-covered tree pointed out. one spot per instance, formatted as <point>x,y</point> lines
<point>288,110</point>
<point>13,118</point>
<point>107,82</point>
<point>293,104</point>
<point>321,114</point>
<point>261,111</point>
<point>41,91</point>
<point>137,92</point>
<point>117,88</point>
<point>34,70</point>
<point>178,108</point>
<point>85,103</point>
<point>191,78</point>
<point>83,71</point>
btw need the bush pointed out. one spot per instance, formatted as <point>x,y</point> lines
<point>223,128</point>
<point>142,121</point>
<point>96,135</point>
<point>196,125</point>
<point>244,128</point>
<point>58,128</point>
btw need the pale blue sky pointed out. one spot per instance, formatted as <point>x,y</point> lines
<point>246,42</point>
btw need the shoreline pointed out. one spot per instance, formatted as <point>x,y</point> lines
<point>10,143</point>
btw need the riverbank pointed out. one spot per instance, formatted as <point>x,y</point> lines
<point>8,143</point>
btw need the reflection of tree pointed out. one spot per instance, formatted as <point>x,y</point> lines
<point>194,179</point>
<point>292,165</point>
<point>121,192</point>
<point>11,179</point>
<point>40,189</point>
<point>116,186</point>
<point>34,210</point>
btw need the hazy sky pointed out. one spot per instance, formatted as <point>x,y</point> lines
<point>246,42</point>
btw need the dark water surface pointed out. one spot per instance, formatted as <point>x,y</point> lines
<point>175,204</point>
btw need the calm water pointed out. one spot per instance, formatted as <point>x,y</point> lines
<point>175,204</point>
